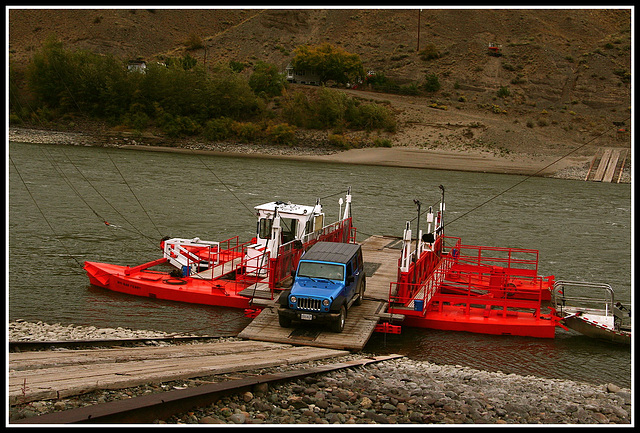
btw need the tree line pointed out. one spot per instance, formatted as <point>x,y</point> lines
<point>181,98</point>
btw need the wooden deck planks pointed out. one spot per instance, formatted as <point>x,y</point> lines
<point>45,375</point>
<point>604,161</point>
<point>361,320</point>
<point>376,249</point>
<point>360,324</point>
<point>606,165</point>
<point>612,165</point>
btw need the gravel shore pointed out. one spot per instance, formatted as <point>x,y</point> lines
<point>401,391</point>
<point>314,149</point>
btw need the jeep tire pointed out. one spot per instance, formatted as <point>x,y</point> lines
<point>284,322</point>
<point>338,324</point>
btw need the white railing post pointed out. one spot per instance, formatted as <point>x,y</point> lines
<point>406,249</point>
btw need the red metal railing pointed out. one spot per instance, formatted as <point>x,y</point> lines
<point>288,255</point>
<point>420,270</point>
<point>466,275</point>
<point>515,261</point>
<point>263,268</point>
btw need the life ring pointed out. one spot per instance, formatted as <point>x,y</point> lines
<point>174,281</point>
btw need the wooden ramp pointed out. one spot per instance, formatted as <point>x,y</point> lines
<point>607,165</point>
<point>53,375</point>
<point>381,254</point>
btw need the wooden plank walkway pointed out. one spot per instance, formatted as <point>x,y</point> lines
<point>58,374</point>
<point>611,167</point>
<point>381,256</point>
<point>605,165</point>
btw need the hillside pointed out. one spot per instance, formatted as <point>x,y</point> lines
<point>567,70</point>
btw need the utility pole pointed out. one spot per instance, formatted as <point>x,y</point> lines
<point>418,47</point>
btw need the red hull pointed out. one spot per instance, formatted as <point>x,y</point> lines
<point>160,285</point>
<point>482,321</point>
<point>475,289</point>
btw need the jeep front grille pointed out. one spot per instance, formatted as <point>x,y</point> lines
<point>309,304</point>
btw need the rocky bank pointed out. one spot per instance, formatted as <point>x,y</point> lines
<point>315,149</point>
<point>401,391</point>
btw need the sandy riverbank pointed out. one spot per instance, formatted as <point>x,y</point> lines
<point>570,167</point>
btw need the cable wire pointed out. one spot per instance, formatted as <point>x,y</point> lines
<point>530,176</point>
<point>42,213</point>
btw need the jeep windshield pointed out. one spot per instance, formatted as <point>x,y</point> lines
<point>318,270</point>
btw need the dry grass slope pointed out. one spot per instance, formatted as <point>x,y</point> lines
<point>564,68</point>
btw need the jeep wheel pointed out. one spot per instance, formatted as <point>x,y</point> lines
<point>338,324</point>
<point>360,294</point>
<point>284,322</point>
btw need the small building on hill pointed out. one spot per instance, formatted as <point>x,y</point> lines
<point>137,66</point>
<point>302,77</point>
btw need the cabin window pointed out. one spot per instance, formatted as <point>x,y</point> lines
<point>289,228</point>
<point>319,222</point>
<point>264,228</point>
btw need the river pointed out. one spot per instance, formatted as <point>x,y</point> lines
<point>59,198</point>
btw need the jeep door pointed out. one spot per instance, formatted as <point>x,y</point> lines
<point>352,279</point>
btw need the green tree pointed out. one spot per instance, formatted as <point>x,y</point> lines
<point>79,81</point>
<point>329,62</point>
<point>267,79</point>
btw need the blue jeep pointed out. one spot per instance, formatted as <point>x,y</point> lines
<point>329,279</point>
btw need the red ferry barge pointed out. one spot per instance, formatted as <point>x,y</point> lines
<point>443,284</point>
<point>230,273</point>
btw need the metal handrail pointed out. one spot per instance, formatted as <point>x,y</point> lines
<point>561,284</point>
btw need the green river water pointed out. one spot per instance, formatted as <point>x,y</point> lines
<point>59,197</point>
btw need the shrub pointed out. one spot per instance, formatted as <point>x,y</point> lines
<point>345,142</point>
<point>431,84</point>
<point>194,42</point>
<point>430,52</point>
<point>438,106</point>
<point>180,125</point>
<point>14,119</point>
<point>497,109</point>
<point>282,133</point>
<point>331,107</point>
<point>331,63</point>
<point>218,129</point>
<point>409,89</point>
<point>503,92</point>
<point>382,142</point>
<point>236,66</point>
<point>372,116</point>
<point>246,131</point>
<point>340,140</point>
<point>296,109</point>
<point>137,120</point>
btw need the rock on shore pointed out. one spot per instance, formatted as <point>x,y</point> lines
<point>21,330</point>
<point>401,391</point>
<point>405,391</point>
